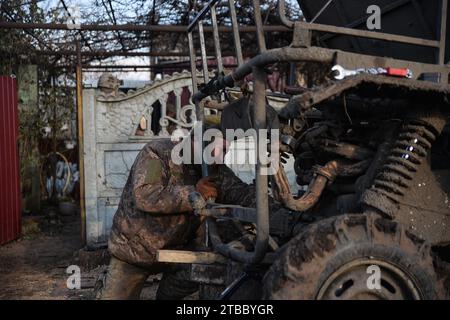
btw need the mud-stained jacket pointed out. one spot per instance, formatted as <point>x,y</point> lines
<point>154,212</point>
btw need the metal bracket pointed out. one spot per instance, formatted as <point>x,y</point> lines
<point>301,37</point>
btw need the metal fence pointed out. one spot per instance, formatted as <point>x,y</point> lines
<point>10,198</point>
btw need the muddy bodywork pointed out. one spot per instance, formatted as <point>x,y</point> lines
<point>400,184</point>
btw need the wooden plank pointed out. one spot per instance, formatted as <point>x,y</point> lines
<point>182,256</point>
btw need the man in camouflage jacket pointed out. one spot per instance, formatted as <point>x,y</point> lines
<point>154,213</point>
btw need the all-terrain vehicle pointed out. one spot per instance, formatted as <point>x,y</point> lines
<point>366,120</point>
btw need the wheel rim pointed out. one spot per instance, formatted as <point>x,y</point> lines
<point>349,282</point>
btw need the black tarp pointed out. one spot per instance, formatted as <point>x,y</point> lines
<point>414,18</point>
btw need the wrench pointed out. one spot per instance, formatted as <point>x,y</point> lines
<point>341,73</point>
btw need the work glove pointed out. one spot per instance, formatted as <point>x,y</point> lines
<point>207,188</point>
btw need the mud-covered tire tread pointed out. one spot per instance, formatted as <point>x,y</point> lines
<point>310,257</point>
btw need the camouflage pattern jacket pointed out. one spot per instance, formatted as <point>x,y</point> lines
<point>154,212</point>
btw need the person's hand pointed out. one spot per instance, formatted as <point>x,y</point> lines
<point>206,188</point>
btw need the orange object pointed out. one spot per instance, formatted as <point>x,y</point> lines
<point>398,72</point>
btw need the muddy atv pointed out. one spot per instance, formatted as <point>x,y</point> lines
<point>371,149</point>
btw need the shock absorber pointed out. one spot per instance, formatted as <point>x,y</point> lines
<point>395,176</point>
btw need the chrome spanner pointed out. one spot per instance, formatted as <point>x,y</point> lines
<point>341,73</point>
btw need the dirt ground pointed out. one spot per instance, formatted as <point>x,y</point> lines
<point>34,266</point>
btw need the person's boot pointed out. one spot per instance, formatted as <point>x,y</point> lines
<point>121,281</point>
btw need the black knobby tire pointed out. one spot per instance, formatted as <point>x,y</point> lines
<point>329,260</point>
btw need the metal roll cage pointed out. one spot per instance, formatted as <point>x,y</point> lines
<point>301,51</point>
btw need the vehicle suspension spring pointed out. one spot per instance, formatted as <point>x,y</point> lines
<point>415,139</point>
